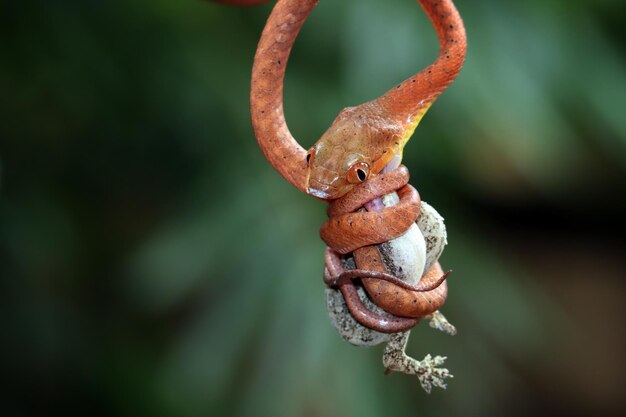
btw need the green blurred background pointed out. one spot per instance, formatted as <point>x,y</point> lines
<point>154,264</point>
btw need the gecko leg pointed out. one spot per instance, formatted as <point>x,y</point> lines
<point>427,370</point>
<point>439,322</point>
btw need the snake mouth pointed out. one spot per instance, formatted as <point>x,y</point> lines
<point>320,190</point>
<point>317,193</point>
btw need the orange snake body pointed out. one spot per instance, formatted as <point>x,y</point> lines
<point>364,144</point>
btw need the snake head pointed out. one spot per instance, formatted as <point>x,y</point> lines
<point>358,145</point>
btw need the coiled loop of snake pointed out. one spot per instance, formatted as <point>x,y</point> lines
<point>351,229</point>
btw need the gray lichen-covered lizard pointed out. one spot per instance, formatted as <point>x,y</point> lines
<point>406,257</point>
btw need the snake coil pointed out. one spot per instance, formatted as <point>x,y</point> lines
<point>352,230</point>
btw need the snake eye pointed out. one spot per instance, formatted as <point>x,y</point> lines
<point>310,156</point>
<point>358,172</point>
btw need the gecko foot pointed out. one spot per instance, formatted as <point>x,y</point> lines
<point>428,370</point>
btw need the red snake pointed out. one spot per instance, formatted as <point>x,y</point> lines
<point>387,123</point>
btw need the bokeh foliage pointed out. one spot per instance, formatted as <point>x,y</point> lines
<point>152,263</point>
